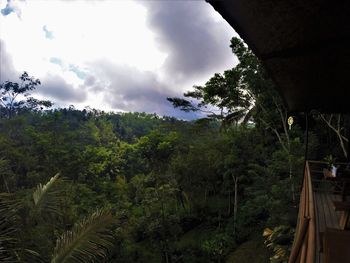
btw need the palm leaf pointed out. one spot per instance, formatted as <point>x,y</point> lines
<point>42,190</point>
<point>47,197</point>
<point>88,241</point>
<point>9,227</point>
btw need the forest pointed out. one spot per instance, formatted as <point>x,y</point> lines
<point>93,186</point>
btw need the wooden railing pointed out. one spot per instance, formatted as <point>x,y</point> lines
<point>303,250</point>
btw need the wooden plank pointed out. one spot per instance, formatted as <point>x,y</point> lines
<point>330,215</point>
<point>320,255</point>
<point>321,212</point>
<point>339,215</point>
<point>336,246</point>
<point>344,219</point>
<point>320,220</point>
<point>327,211</point>
<point>336,214</point>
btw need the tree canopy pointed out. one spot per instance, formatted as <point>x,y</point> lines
<point>87,185</point>
<point>15,97</point>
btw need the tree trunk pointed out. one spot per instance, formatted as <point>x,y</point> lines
<point>337,129</point>
<point>229,203</point>
<point>285,144</point>
<point>165,243</point>
<point>291,178</point>
<point>166,256</point>
<point>235,180</point>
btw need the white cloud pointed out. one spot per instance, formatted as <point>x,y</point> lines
<point>84,31</point>
<point>65,40</point>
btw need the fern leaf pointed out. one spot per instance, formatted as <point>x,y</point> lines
<point>88,241</point>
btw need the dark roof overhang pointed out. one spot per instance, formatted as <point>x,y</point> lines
<point>304,44</point>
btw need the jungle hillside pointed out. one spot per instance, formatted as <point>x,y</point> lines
<point>85,185</point>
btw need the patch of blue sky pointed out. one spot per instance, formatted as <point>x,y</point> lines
<point>80,74</point>
<point>188,116</point>
<point>7,10</point>
<point>48,33</point>
<point>56,61</point>
<point>11,7</point>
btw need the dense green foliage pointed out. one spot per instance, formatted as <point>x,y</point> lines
<point>168,190</point>
<point>170,185</point>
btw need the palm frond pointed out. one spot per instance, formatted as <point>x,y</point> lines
<point>9,227</point>
<point>47,197</point>
<point>11,230</point>
<point>42,190</point>
<point>88,241</point>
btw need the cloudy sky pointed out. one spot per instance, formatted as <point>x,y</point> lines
<point>119,55</point>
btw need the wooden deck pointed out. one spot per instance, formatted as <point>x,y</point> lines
<point>326,216</point>
<point>316,214</point>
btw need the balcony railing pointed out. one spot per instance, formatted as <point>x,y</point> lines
<point>319,220</point>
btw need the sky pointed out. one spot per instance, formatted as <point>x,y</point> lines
<point>114,55</point>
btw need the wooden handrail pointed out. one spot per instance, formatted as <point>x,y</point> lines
<point>299,240</point>
<point>311,242</point>
<point>303,250</point>
<point>324,162</point>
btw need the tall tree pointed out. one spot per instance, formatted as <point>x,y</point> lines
<point>16,96</point>
<point>337,123</point>
<point>242,94</point>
